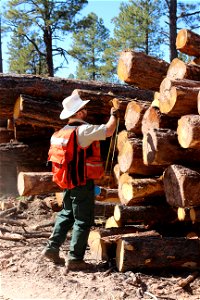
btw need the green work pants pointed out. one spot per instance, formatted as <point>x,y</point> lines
<point>77,213</point>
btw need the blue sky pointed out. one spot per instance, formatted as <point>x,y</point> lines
<point>106,9</point>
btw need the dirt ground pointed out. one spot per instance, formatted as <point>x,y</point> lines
<point>26,275</point>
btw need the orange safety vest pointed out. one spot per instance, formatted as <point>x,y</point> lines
<point>72,165</point>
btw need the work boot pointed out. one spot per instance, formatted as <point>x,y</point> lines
<point>78,265</point>
<point>53,256</point>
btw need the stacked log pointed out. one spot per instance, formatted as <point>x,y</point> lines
<point>33,104</point>
<point>168,130</point>
<point>156,179</point>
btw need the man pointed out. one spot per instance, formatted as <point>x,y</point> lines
<point>78,202</point>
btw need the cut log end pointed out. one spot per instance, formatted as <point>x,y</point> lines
<point>120,255</point>
<point>181,39</point>
<point>17,108</point>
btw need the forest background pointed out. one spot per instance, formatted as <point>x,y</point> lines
<point>83,39</point>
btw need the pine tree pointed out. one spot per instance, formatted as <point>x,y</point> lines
<point>49,20</point>
<point>88,46</point>
<point>137,27</point>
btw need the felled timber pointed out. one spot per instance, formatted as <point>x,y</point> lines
<point>38,112</point>
<point>130,159</point>
<point>112,223</point>
<point>161,147</point>
<point>11,86</point>
<point>36,183</point>
<point>135,111</point>
<point>188,131</point>
<point>178,97</point>
<point>35,152</point>
<point>188,42</point>
<point>108,195</point>
<point>136,253</point>
<point>134,190</point>
<point>146,214</point>
<point>6,135</point>
<point>116,172</point>
<point>178,69</point>
<point>182,186</point>
<point>103,241</point>
<point>139,69</point>
<point>27,133</point>
<point>104,209</point>
<point>122,138</point>
<point>198,102</point>
<point>153,118</point>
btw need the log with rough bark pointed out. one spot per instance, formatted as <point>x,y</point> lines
<point>27,133</point>
<point>182,186</point>
<point>146,214</point>
<point>12,85</point>
<point>198,102</point>
<point>104,209</point>
<point>130,159</point>
<point>135,190</point>
<point>41,112</point>
<point>178,97</point>
<point>178,69</point>
<point>6,135</point>
<point>35,152</point>
<point>122,138</point>
<point>188,131</point>
<point>188,42</point>
<point>108,195</point>
<point>153,118</point>
<point>136,253</point>
<point>33,183</point>
<point>139,69</point>
<point>161,147</point>
<point>102,241</point>
<point>135,111</point>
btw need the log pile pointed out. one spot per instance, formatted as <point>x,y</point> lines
<point>158,167</point>
<point>156,179</point>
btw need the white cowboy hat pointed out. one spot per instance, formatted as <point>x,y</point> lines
<point>71,105</point>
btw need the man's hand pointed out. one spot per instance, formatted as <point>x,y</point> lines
<point>115,112</point>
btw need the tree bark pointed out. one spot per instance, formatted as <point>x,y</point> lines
<point>189,131</point>
<point>139,69</point>
<point>6,135</point>
<point>108,195</point>
<point>27,133</point>
<point>178,97</point>
<point>146,214</point>
<point>157,253</point>
<point>153,118</point>
<point>11,86</point>
<point>136,190</point>
<point>188,42</point>
<point>36,183</point>
<point>38,112</point>
<point>161,147</point>
<point>130,159</point>
<point>178,69</point>
<point>198,102</point>
<point>135,111</point>
<point>182,186</point>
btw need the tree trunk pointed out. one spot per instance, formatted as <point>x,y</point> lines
<point>178,97</point>
<point>178,69</point>
<point>6,135</point>
<point>198,102</point>
<point>153,118</point>
<point>108,195</point>
<point>36,183</point>
<point>136,190</point>
<point>130,159</point>
<point>38,112</point>
<point>136,253</point>
<point>135,111</point>
<point>172,28</point>
<point>11,86</point>
<point>27,133</point>
<point>188,42</point>
<point>161,147</point>
<point>122,138</point>
<point>189,131</point>
<point>139,69</point>
<point>146,214</point>
<point>182,186</point>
